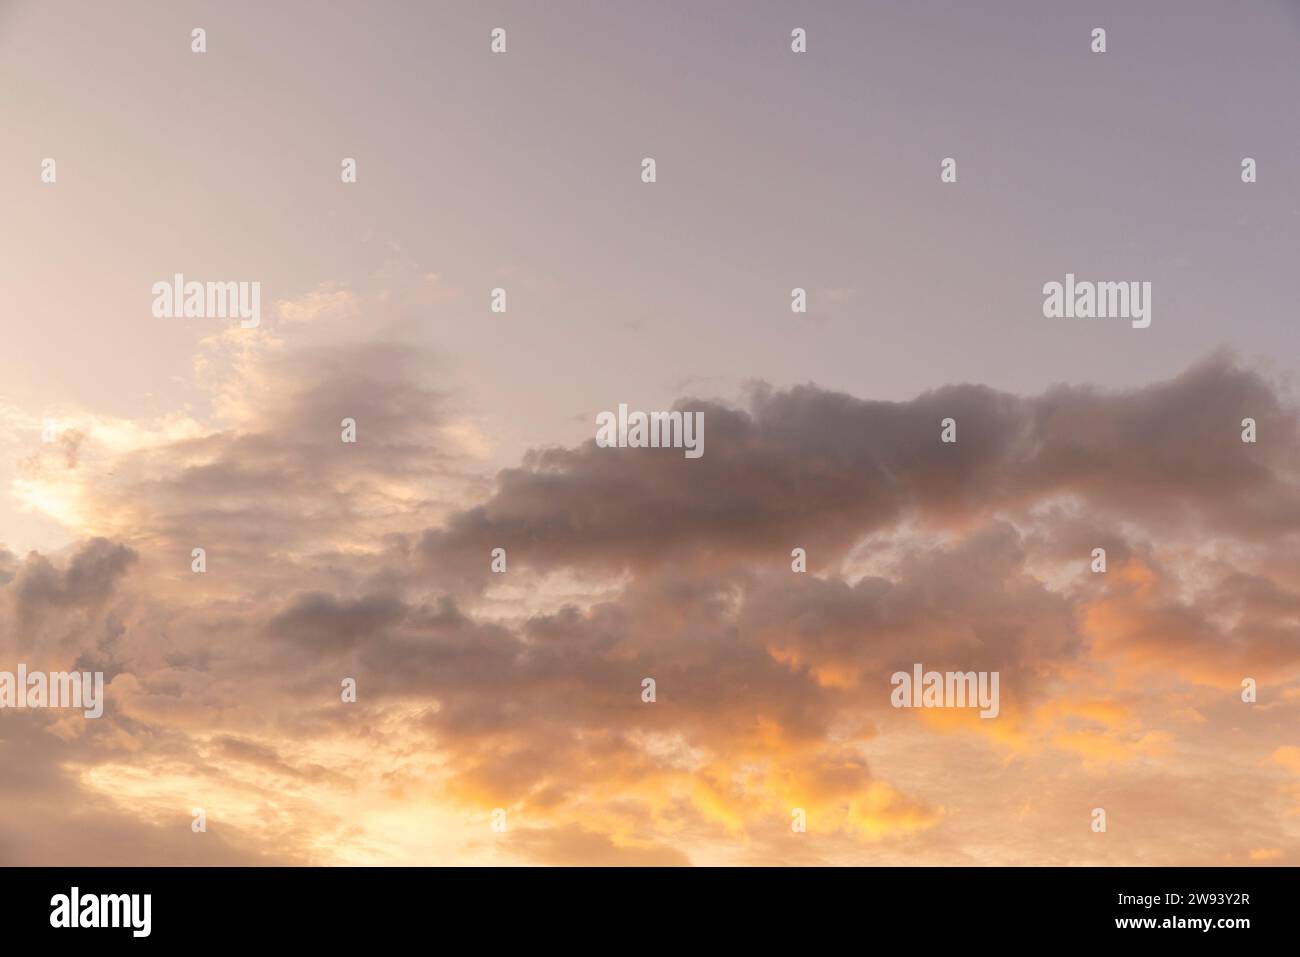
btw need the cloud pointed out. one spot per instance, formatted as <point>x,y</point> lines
<point>328,303</point>
<point>91,573</point>
<point>522,691</point>
<point>822,470</point>
<point>577,847</point>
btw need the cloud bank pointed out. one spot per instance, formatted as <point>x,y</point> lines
<point>521,691</point>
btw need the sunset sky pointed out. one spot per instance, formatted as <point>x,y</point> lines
<point>522,691</point>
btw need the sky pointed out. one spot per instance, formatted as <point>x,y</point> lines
<point>129,439</point>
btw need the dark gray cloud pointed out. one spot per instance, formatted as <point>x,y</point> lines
<point>820,470</point>
<point>91,573</point>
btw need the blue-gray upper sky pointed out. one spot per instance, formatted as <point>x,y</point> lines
<point>775,170</point>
